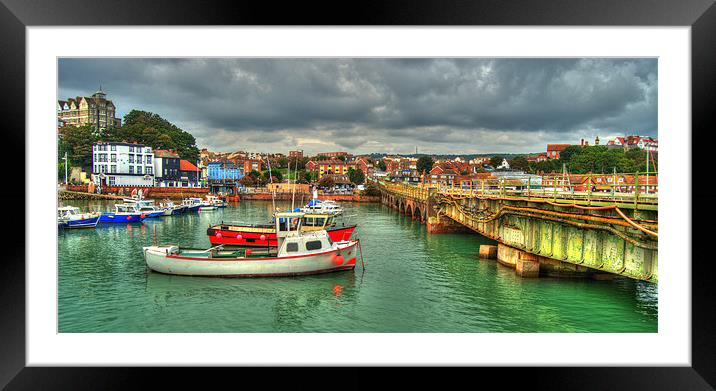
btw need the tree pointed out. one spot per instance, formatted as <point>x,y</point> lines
<point>151,129</point>
<point>77,141</point>
<point>520,163</point>
<point>424,164</point>
<point>356,176</point>
<point>326,182</point>
<point>572,150</point>
<point>276,174</point>
<point>283,162</point>
<point>341,157</point>
<point>464,172</point>
<point>247,181</point>
<point>381,165</point>
<point>496,161</point>
<point>371,190</point>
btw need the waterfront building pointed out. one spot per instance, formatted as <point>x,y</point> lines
<point>96,110</point>
<point>166,168</point>
<point>364,165</point>
<point>542,157</point>
<point>189,174</point>
<point>122,164</point>
<point>504,165</point>
<point>397,164</point>
<point>327,167</point>
<point>553,150</point>
<point>442,176</point>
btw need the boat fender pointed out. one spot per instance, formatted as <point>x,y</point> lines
<point>239,236</point>
<point>262,237</point>
<point>218,234</point>
<point>141,215</point>
<point>337,259</point>
<point>248,251</point>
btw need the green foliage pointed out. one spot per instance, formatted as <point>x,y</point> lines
<point>77,141</point>
<point>247,181</point>
<point>381,165</point>
<point>342,158</point>
<point>277,176</point>
<point>424,164</point>
<point>356,176</point>
<point>596,159</point>
<point>519,163</point>
<point>567,153</point>
<point>496,161</point>
<point>283,162</point>
<point>326,182</point>
<point>254,174</point>
<point>371,190</point>
<point>152,130</point>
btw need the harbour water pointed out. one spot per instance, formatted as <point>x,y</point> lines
<point>413,282</point>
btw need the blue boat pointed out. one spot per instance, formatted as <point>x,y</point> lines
<point>123,213</point>
<point>72,217</point>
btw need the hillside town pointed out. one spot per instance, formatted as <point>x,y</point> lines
<point>132,164</point>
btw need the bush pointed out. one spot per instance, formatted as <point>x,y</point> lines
<point>371,190</point>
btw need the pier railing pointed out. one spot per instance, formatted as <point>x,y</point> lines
<point>637,191</point>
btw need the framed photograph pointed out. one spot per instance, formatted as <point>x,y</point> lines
<point>458,185</point>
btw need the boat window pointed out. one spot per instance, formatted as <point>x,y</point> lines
<point>291,247</point>
<point>308,221</point>
<point>320,221</point>
<point>313,245</point>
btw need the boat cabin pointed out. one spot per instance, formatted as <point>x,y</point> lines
<point>291,239</point>
<point>67,211</point>
<point>125,208</point>
<point>317,221</point>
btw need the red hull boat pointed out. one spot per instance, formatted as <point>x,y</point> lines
<point>264,235</point>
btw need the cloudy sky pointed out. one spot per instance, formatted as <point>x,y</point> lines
<point>380,105</point>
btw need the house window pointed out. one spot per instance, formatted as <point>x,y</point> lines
<point>114,157</point>
<point>149,159</point>
<point>113,147</point>
<point>131,158</point>
<point>139,169</point>
<point>111,181</point>
<point>131,169</point>
<point>149,170</point>
<point>113,168</point>
<point>131,149</point>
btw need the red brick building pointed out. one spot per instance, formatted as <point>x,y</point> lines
<point>553,150</point>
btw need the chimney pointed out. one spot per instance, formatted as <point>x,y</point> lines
<point>581,142</point>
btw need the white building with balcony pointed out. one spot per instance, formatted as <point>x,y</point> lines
<point>122,164</point>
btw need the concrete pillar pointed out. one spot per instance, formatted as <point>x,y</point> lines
<point>527,265</point>
<point>444,225</point>
<point>488,251</point>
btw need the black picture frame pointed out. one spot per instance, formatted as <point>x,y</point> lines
<point>16,15</point>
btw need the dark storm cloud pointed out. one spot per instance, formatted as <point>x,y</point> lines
<point>392,105</point>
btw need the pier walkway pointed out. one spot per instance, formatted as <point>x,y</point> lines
<point>561,230</point>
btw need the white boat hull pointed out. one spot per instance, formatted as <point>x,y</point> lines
<point>343,258</point>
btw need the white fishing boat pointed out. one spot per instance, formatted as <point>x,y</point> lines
<point>322,206</point>
<point>145,206</point>
<point>73,217</point>
<point>215,200</point>
<point>170,208</point>
<point>297,253</point>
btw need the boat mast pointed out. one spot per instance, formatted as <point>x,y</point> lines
<point>273,198</point>
<point>295,181</point>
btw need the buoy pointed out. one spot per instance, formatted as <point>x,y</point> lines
<point>218,234</point>
<point>239,236</point>
<point>249,251</point>
<point>142,215</point>
<point>129,218</point>
<point>338,260</point>
<point>262,237</point>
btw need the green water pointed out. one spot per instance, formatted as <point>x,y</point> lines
<point>412,282</point>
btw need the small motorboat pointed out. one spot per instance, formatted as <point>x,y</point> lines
<point>318,206</point>
<point>146,206</point>
<point>123,213</point>
<point>264,235</point>
<point>170,208</point>
<point>216,201</point>
<point>297,253</point>
<point>73,217</point>
<point>192,204</point>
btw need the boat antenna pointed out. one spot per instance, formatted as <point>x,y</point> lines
<point>295,181</point>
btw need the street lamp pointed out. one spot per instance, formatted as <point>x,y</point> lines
<point>65,159</point>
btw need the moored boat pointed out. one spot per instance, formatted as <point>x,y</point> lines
<point>145,206</point>
<point>192,204</point>
<point>73,217</point>
<point>170,208</point>
<point>297,253</point>
<point>264,235</point>
<point>123,213</point>
<point>216,201</point>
